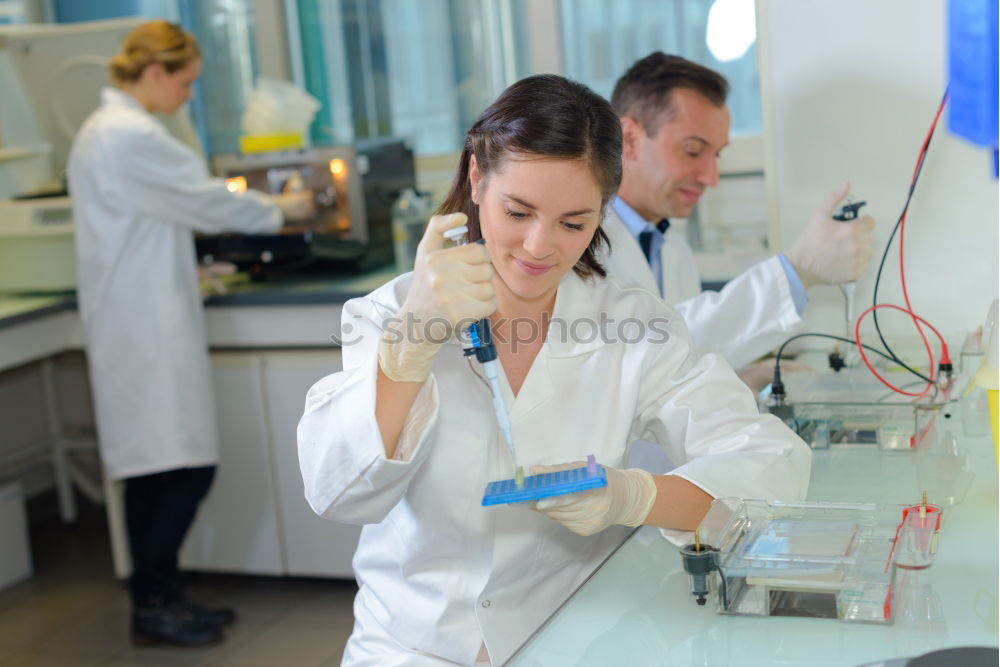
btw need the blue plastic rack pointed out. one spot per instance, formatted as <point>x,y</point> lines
<point>590,476</point>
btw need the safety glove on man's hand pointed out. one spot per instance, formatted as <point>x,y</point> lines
<point>625,501</point>
<point>829,251</point>
<point>451,286</point>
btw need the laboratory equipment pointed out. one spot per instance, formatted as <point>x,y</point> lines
<point>546,485</point>
<point>916,539</point>
<point>478,340</point>
<point>36,245</point>
<point>700,561</point>
<point>848,212</point>
<point>354,188</point>
<point>51,76</point>
<point>853,408</point>
<point>819,560</point>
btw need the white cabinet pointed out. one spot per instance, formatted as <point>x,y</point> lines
<point>236,529</point>
<point>313,546</point>
<point>255,519</point>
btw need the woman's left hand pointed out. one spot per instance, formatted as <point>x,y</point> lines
<point>625,501</point>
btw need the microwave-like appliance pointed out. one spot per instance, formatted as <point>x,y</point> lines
<point>353,189</point>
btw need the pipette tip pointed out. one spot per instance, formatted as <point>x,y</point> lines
<point>519,477</point>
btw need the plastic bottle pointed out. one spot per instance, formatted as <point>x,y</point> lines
<point>410,213</point>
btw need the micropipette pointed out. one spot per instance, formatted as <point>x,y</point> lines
<point>477,340</point>
<point>849,211</point>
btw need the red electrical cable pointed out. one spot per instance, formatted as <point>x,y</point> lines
<point>864,357</point>
<point>945,357</point>
<point>902,227</point>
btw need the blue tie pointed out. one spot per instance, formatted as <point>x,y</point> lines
<point>646,238</point>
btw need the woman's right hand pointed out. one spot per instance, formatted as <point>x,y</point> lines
<point>451,287</point>
<point>296,206</point>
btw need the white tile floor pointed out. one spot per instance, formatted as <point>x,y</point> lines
<point>73,612</point>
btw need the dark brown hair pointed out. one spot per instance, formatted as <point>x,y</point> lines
<point>154,42</point>
<point>544,116</point>
<point>644,91</point>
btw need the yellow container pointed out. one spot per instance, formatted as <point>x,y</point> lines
<point>265,143</point>
<point>993,395</point>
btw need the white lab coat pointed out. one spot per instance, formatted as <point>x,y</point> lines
<point>438,573</point>
<point>137,195</point>
<point>753,314</point>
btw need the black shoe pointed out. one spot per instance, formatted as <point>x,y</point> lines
<point>170,623</point>
<point>215,616</point>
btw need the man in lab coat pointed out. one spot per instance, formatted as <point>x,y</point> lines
<point>674,124</point>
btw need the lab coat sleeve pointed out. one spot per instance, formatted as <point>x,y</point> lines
<point>341,454</point>
<point>166,180</point>
<point>707,420</point>
<point>752,315</point>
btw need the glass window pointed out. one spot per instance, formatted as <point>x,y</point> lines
<point>601,39</point>
<point>11,11</point>
<point>418,69</point>
<point>225,33</point>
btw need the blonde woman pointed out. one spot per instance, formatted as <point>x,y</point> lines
<point>138,194</point>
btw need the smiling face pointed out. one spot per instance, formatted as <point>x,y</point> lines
<point>665,174</point>
<point>538,215</point>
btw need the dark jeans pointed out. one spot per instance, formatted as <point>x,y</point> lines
<point>159,510</point>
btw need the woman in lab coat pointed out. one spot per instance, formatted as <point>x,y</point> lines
<point>138,193</point>
<point>404,439</point>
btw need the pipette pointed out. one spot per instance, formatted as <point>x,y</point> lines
<point>849,211</point>
<point>477,340</point>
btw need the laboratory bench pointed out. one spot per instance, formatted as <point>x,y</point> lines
<point>637,607</point>
<point>269,342</point>
<point>286,311</point>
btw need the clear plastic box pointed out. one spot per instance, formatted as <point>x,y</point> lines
<point>819,560</point>
<point>853,408</point>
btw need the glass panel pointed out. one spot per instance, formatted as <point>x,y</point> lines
<point>225,33</point>
<point>419,69</point>
<point>11,11</point>
<point>601,39</point>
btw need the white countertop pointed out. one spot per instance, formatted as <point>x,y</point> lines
<point>637,609</point>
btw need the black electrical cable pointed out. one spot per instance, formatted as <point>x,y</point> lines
<point>778,387</point>
<point>878,278</point>
<point>888,245</point>
<point>781,349</point>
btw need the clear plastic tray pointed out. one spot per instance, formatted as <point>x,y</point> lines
<point>819,560</point>
<point>853,408</point>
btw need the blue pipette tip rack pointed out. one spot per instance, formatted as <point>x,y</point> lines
<point>590,476</point>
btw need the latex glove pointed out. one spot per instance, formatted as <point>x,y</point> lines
<point>625,501</point>
<point>828,251</point>
<point>208,278</point>
<point>758,374</point>
<point>451,286</point>
<point>296,205</point>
